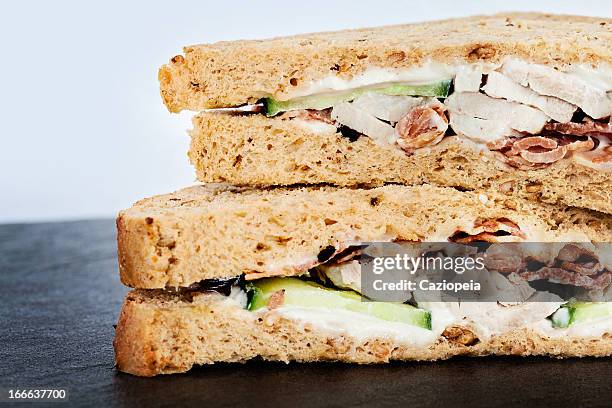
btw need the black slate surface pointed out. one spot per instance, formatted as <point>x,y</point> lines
<point>60,296</point>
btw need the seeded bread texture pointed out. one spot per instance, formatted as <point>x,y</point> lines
<point>161,333</point>
<point>207,232</point>
<point>233,73</point>
<point>254,150</point>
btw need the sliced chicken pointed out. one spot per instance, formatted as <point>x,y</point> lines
<point>347,114</point>
<point>480,130</point>
<point>346,275</point>
<point>500,86</point>
<point>387,107</point>
<point>519,117</point>
<point>599,78</point>
<point>468,79</point>
<point>594,101</point>
<point>496,317</point>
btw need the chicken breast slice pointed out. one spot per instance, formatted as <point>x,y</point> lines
<point>363,122</point>
<point>480,130</point>
<point>468,79</point>
<point>511,114</point>
<point>501,86</point>
<point>387,107</point>
<point>594,101</point>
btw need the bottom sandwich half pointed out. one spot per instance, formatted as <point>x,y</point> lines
<point>162,333</point>
<point>224,274</point>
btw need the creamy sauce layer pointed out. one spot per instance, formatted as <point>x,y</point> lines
<point>591,329</point>
<point>432,71</point>
<point>486,319</point>
<point>359,326</point>
<point>429,72</point>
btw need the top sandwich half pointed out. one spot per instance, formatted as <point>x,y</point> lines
<point>519,103</point>
<point>238,72</point>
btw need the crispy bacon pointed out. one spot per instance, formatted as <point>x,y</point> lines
<point>522,164</point>
<point>579,145</point>
<point>588,268</point>
<point>422,126</point>
<point>544,157</point>
<point>537,152</point>
<point>501,144</point>
<point>348,254</point>
<point>492,230</point>
<point>320,115</point>
<point>526,143</point>
<point>505,258</point>
<point>586,128</point>
<point>598,156</point>
<point>572,253</point>
<point>560,275</point>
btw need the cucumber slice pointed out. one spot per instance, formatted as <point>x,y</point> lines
<point>310,295</point>
<point>580,312</point>
<point>327,100</point>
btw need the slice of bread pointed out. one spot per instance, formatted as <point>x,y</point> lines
<point>161,333</point>
<point>233,73</point>
<point>207,232</point>
<point>255,150</point>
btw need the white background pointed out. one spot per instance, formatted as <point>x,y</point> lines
<point>83,129</point>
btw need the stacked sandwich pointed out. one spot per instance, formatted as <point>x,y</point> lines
<point>483,129</point>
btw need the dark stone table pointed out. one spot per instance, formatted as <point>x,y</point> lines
<point>60,296</point>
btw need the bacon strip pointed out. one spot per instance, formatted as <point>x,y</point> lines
<point>587,128</point>
<point>505,258</point>
<point>544,157</point>
<point>422,126</point>
<point>488,231</point>
<point>537,152</point>
<point>563,276</point>
<point>526,143</point>
<point>323,115</point>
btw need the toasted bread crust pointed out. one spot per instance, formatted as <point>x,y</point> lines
<point>159,333</point>
<point>207,232</point>
<point>134,341</point>
<point>255,150</point>
<point>232,73</point>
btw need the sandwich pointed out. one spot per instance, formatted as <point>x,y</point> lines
<point>515,103</point>
<point>228,274</point>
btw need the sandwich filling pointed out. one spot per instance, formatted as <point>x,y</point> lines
<point>328,293</point>
<point>527,116</point>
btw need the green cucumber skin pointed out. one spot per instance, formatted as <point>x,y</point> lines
<point>318,102</point>
<point>581,312</point>
<point>417,317</point>
<point>303,293</point>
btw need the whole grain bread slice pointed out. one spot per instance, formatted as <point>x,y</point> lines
<point>259,151</point>
<point>162,333</point>
<point>206,232</point>
<point>237,72</point>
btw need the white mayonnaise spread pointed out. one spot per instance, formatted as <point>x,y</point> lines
<point>427,73</point>
<point>589,329</point>
<point>238,296</point>
<point>431,71</point>
<point>359,326</point>
<point>485,319</point>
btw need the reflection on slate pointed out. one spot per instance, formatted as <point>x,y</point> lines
<point>61,296</point>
